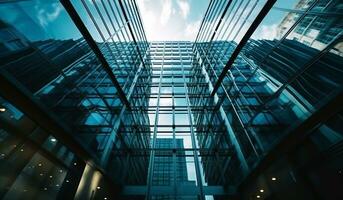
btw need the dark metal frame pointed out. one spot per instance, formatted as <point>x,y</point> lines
<point>264,11</point>
<point>299,133</point>
<point>89,39</point>
<point>11,90</point>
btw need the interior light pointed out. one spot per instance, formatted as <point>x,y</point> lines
<point>2,109</point>
<point>98,187</point>
<point>74,163</point>
<point>45,188</point>
<point>21,150</point>
<point>105,198</point>
<point>40,164</point>
<point>67,181</point>
<point>261,190</point>
<point>273,179</point>
<point>258,196</point>
<point>53,140</point>
<point>41,174</point>
<point>50,176</point>
<point>61,171</point>
<point>57,185</point>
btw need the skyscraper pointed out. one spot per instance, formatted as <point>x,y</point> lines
<point>250,109</point>
<point>314,30</point>
<point>165,172</point>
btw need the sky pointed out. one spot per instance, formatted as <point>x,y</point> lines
<point>162,19</point>
<point>172,19</point>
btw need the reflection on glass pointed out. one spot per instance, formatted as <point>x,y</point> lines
<point>286,71</point>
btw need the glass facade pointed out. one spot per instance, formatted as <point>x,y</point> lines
<point>78,85</point>
<point>173,158</point>
<point>268,88</point>
<point>251,109</point>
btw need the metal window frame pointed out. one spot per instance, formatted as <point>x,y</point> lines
<point>89,39</point>
<point>264,11</point>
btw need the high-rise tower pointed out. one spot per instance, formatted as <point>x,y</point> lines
<point>251,109</point>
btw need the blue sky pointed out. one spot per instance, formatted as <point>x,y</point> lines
<point>172,19</point>
<point>162,19</point>
<point>180,19</point>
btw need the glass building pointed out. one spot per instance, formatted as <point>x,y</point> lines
<point>91,109</point>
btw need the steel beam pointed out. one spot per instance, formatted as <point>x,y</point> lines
<point>131,31</point>
<point>18,95</point>
<point>299,133</point>
<point>266,8</point>
<point>183,190</point>
<point>90,41</point>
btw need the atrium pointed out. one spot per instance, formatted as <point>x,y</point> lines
<point>171,99</point>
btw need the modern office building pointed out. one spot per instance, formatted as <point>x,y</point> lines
<point>173,140</point>
<point>315,29</point>
<point>165,172</point>
<point>90,109</point>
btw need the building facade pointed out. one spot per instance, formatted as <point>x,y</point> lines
<point>316,29</point>
<point>100,112</point>
<point>173,139</point>
<point>80,83</point>
<point>272,93</point>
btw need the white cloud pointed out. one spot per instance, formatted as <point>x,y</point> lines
<point>166,101</point>
<point>169,20</point>
<point>57,8</point>
<point>184,7</point>
<point>166,11</point>
<point>48,14</point>
<point>192,29</point>
<point>149,18</point>
<point>267,32</point>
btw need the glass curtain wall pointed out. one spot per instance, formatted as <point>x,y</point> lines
<point>268,66</point>
<point>174,164</point>
<point>89,109</point>
<point>72,67</point>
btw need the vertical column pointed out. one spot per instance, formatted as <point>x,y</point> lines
<point>154,136</point>
<point>193,140</point>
